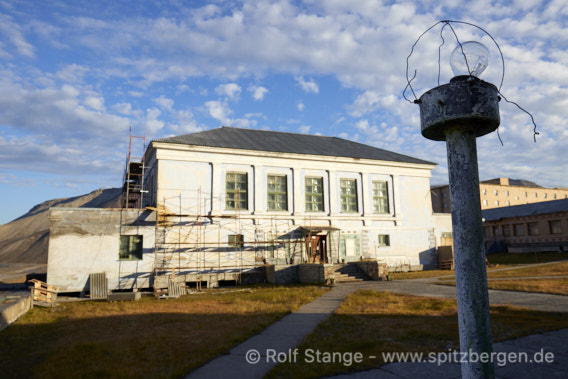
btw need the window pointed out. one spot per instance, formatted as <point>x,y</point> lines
<point>533,228</point>
<point>506,193</point>
<point>554,196</point>
<point>277,193</point>
<point>314,195</point>
<point>516,198</point>
<point>535,194</point>
<point>545,195</point>
<point>487,232</point>
<point>236,241</point>
<point>384,240</point>
<point>555,227</point>
<point>497,202</point>
<point>495,192</point>
<point>507,203</point>
<point>484,191</point>
<point>380,197</point>
<point>506,230</point>
<point>496,231</point>
<point>519,229</point>
<point>348,195</point>
<point>526,194</point>
<point>130,248</point>
<point>484,202</point>
<point>236,191</point>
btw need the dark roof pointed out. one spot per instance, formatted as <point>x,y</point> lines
<point>544,207</point>
<point>265,140</point>
<point>514,182</point>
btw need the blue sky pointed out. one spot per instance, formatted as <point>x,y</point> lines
<point>76,75</point>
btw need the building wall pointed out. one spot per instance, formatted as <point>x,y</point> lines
<point>83,241</point>
<point>187,230</point>
<point>496,195</point>
<point>527,234</point>
<point>199,189</point>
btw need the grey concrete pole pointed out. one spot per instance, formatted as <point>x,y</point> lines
<point>458,113</point>
<point>469,254</point>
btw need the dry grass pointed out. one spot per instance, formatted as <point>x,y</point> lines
<point>553,286</point>
<point>147,338</point>
<point>420,274</point>
<point>552,269</point>
<point>525,258</point>
<point>373,322</point>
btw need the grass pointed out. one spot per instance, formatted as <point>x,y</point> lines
<point>146,338</point>
<point>525,258</point>
<point>372,323</point>
<point>552,269</point>
<point>504,260</point>
<point>552,286</point>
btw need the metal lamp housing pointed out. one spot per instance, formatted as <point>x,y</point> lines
<point>467,103</point>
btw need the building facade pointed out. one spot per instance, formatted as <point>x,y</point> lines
<point>501,192</point>
<point>232,199</point>
<point>527,228</point>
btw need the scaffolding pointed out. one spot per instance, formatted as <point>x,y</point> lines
<point>199,249</point>
<point>133,187</point>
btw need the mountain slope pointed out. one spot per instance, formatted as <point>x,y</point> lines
<point>26,239</point>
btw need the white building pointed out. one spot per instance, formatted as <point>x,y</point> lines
<point>230,198</point>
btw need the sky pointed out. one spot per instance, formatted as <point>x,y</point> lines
<point>78,77</point>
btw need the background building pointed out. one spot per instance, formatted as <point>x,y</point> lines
<point>527,228</point>
<point>501,192</point>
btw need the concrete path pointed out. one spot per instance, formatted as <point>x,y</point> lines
<point>259,354</point>
<point>542,355</point>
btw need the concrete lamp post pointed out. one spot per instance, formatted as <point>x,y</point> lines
<point>458,113</point>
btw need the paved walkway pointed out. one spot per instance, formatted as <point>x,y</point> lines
<point>284,335</point>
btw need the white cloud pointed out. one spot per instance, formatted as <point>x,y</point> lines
<point>301,106</point>
<point>231,90</point>
<point>151,125</point>
<point>13,33</point>
<point>309,86</point>
<point>304,129</point>
<point>96,103</point>
<point>258,92</point>
<point>164,102</point>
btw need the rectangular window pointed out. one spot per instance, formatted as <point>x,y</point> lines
<point>496,231</point>
<point>277,193</point>
<point>236,240</point>
<point>236,193</point>
<point>506,230</point>
<point>314,195</point>
<point>487,232</point>
<point>384,240</point>
<point>380,197</point>
<point>519,229</point>
<point>348,195</point>
<point>555,227</point>
<point>130,248</point>
<point>533,228</point>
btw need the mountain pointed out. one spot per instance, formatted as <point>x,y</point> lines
<point>25,240</point>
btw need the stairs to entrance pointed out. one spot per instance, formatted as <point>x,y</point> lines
<point>349,272</point>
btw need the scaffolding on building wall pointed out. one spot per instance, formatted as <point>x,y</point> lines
<point>133,179</point>
<point>198,249</point>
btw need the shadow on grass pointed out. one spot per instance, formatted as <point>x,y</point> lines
<point>149,345</point>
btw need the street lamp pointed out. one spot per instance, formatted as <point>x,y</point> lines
<point>458,112</point>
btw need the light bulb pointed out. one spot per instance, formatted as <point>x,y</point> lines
<point>471,59</point>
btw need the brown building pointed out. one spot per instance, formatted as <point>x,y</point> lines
<point>527,228</point>
<point>501,192</point>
